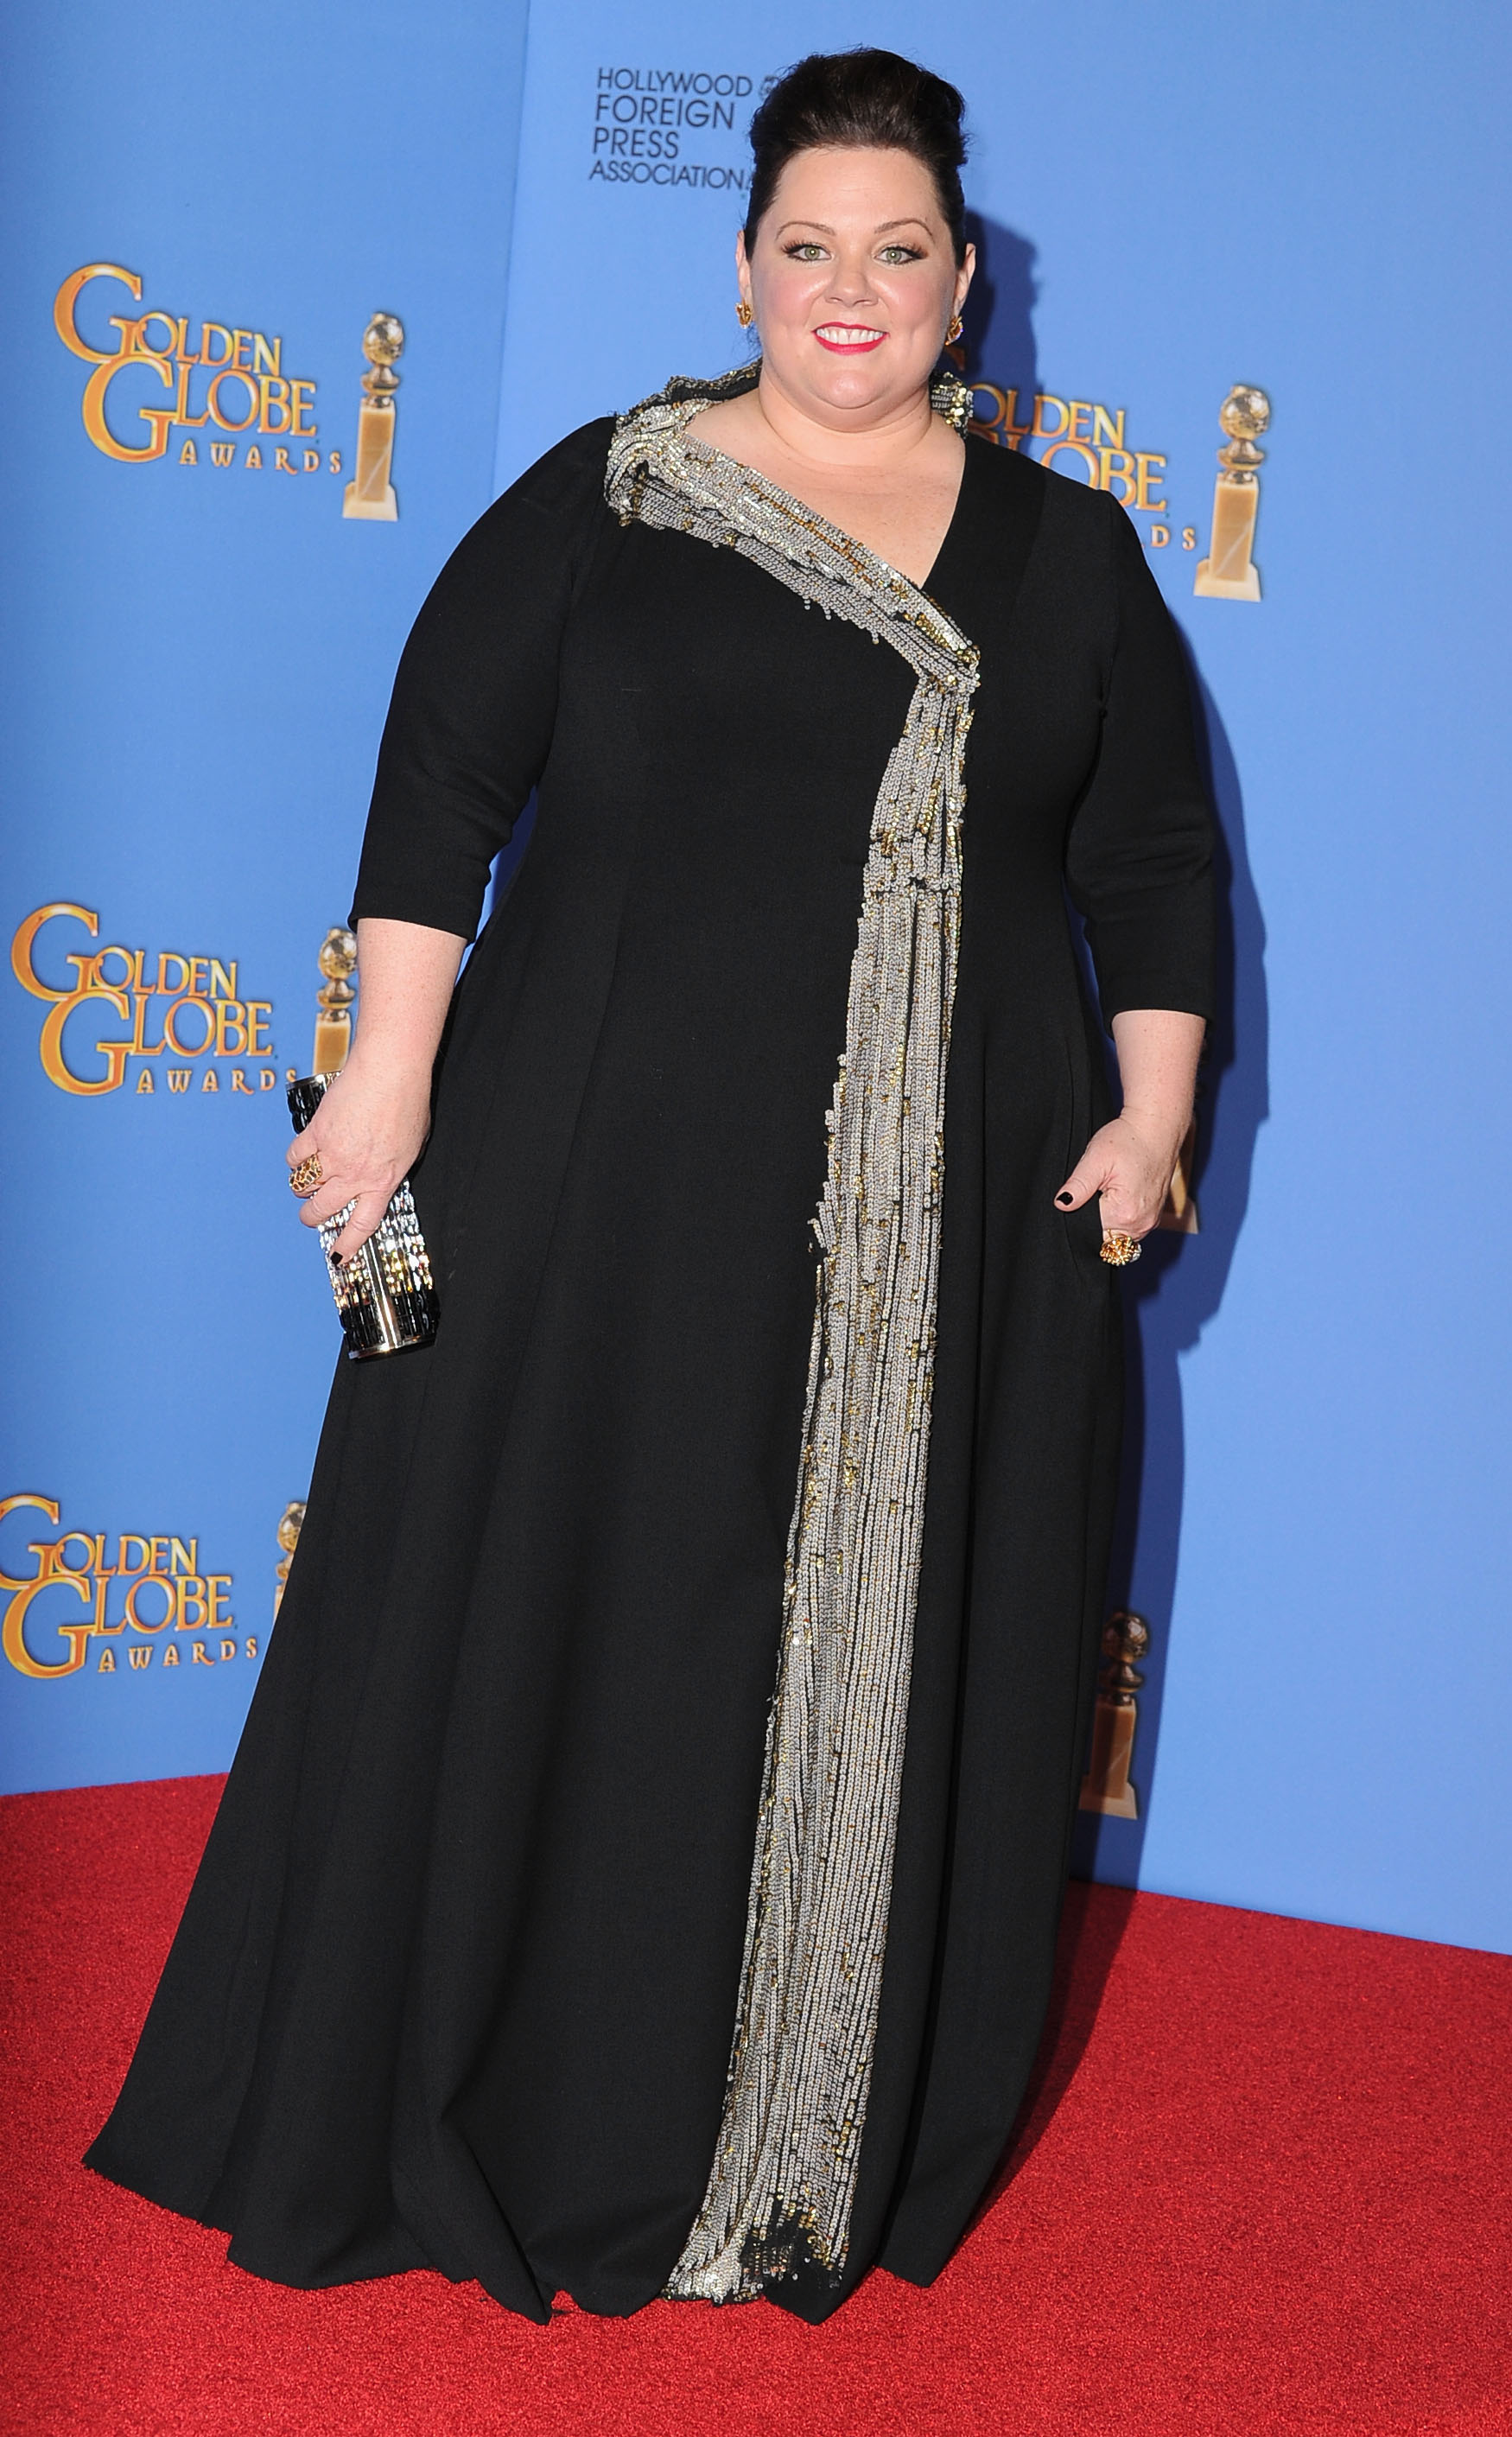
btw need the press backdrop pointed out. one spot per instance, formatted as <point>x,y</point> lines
<point>1170,198</point>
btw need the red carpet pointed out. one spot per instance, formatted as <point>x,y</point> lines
<point>1266,2188</point>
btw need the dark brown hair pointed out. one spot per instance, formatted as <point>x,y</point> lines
<point>855,97</point>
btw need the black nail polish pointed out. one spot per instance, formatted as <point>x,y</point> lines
<point>1065,1201</point>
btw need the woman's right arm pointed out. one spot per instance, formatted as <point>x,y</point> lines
<point>370,1126</point>
<point>468,733</point>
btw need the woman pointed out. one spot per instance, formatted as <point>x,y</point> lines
<point>640,1871</point>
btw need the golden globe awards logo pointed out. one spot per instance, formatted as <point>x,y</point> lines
<point>132,1594</point>
<point>180,1022</point>
<point>226,389</point>
<point>1087,441</point>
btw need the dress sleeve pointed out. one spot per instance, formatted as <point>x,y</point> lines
<point>473,703</point>
<point>1138,859</point>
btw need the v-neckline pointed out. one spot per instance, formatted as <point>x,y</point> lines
<point>838,533</point>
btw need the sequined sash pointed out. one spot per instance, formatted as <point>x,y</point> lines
<point>784,2173</point>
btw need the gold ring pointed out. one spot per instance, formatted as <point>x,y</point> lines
<point>307,1177</point>
<point>1119,1249</point>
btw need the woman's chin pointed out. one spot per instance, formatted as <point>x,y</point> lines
<point>852,387</point>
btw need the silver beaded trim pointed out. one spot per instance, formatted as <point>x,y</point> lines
<point>784,2173</point>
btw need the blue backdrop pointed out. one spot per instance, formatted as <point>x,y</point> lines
<point>1170,201</point>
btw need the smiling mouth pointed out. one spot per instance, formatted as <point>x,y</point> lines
<point>848,338</point>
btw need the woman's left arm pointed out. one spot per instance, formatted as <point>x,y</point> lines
<point>1140,870</point>
<point>1132,1161</point>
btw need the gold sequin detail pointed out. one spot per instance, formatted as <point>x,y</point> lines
<point>784,2173</point>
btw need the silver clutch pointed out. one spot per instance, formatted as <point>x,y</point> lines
<point>384,1293</point>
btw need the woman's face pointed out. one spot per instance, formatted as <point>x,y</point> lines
<point>853,282</point>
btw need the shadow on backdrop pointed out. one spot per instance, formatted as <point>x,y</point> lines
<point>998,337</point>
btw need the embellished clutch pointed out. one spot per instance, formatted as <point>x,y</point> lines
<point>384,1292</point>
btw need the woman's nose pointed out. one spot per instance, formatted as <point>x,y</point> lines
<point>852,282</point>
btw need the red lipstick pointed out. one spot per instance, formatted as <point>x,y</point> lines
<point>856,346</point>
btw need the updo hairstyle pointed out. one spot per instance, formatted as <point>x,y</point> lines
<point>860,98</point>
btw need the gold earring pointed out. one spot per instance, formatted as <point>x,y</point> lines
<point>745,314</point>
<point>954,331</point>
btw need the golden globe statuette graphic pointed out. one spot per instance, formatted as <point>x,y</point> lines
<point>1105,1787</point>
<point>371,494</point>
<point>1228,572</point>
<point>288,1532</point>
<point>333,1025</point>
<point>384,1291</point>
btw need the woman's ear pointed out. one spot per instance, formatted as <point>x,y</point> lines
<point>964,276</point>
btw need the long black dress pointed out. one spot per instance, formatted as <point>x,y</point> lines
<point>457,1981</point>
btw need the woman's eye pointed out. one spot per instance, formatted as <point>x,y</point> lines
<point>806,251</point>
<point>898,253</point>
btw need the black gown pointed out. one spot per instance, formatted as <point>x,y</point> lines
<point>457,1980</point>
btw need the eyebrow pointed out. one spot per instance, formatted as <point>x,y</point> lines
<point>908,220</point>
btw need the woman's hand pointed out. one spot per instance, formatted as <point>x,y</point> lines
<point>371,1125</point>
<point>1131,1162</point>
<point>369,1129</point>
